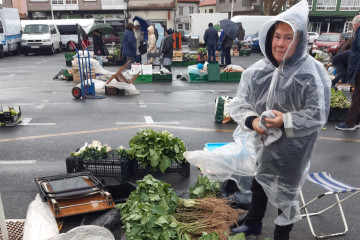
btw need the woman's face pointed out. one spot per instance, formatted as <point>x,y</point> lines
<point>283,36</point>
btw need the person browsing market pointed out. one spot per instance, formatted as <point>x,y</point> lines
<point>283,102</point>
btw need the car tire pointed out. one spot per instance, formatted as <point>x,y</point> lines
<point>52,50</point>
<point>2,54</point>
<point>59,49</point>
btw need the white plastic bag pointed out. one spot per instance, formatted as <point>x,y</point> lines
<point>40,222</point>
<point>234,160</point>
<point>89,232</point>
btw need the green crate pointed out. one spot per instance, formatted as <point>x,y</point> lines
<point>69,56</point>
<point>223,77</point>
<point>144,79</point>
<point>213,72</point>
<point>162,77</point>
<point>198,78</point>
<point>234,76</point>
<point>245,52</point>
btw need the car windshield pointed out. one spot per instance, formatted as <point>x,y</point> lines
<point>36,29</point>
<point>329,38</point>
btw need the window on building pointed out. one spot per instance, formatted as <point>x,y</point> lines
<point>180,26</point>
<point>181,11</point>
<point>221,1</point>
<point>205,11</point>
<point>1,28</point>
<point>71,1</point>
<point>349,5</point>
<point>191,10</point>
<point>187,26</point>
<point>211,10</point>
<point>310,2</point>
<point>57,2</point>
<point>326,5</point>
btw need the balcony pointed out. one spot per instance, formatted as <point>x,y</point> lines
<point>64,5</point>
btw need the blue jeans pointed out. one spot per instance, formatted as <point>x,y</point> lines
<point>138,58</point>
<point>211,53</point>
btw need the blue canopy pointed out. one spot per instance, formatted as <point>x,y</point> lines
<point>144,24</point>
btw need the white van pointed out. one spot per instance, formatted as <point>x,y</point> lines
<point>251,23</point>
<point>40,37</point>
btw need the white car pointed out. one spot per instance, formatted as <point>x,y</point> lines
<point>312,36</point>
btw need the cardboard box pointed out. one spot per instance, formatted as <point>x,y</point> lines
<point>135,69</point>
<point>147,69</point>
<point>76,76</point>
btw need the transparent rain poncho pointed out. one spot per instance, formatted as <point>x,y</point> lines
<point>299,88</point>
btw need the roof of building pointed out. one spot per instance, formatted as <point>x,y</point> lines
<point>207,3</point>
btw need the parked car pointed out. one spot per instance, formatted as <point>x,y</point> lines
<point>110,38</point>
<point>255,41</point>
<point>312,36</point>
<point>328,42</point>
<point>347,35</point>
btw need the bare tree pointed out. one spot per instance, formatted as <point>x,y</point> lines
<point>274,7</point>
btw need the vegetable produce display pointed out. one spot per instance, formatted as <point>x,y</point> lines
<point>154,212</point>
<point>92,151</point>
<point>156,150</point>
<point>204,187</point>
<point>202,50</point>
<point>338,99</point>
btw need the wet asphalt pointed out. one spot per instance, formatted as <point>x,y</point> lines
<point>59,124</point>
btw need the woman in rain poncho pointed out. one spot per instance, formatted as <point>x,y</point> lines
<point>151,42</point>
<point>293,90</point>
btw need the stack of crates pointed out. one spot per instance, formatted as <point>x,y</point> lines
<point>177,56</point>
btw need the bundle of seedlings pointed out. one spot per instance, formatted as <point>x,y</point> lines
<point>154,212</point>
<point>196,216</point>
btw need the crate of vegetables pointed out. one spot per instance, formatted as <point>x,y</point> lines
<point>157,152</point>
<point>99,160</point>
<point>339,106</point>
<point>231,74</point>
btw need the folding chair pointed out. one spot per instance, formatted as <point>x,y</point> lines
<point>333,186</point>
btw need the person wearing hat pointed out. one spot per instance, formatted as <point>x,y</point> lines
<point>139,38</point>
<point>166,49</point>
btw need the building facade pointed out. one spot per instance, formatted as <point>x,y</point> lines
<point>112,12</point>
<point>185,8</point>
<point>207,6</point>
<point>238,7</point>
<point>332,15</point>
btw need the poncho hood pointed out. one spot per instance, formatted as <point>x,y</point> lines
<point>296,17</point>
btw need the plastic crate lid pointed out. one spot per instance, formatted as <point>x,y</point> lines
<point>212,146</point>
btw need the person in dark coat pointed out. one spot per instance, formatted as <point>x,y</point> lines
<point>98,43</point>
<point>211,38</point>
<point>340,62</point>
<point>241,35</point>
<point>226,45</point>
<point>129,44</point>
<point>353,76</point>
<point>166,49</point>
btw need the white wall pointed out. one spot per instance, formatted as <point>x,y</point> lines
<point>155,15</point>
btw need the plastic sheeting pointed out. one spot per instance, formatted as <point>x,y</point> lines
<point>40,223</point>
<point>235,161</point>
<point>89,232</point>
<point>299,87</point>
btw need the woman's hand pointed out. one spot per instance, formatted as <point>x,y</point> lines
<point>255,125</point>
<point>276,122</point>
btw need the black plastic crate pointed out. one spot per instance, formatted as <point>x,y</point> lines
<point>138,171</point>
<point>338,114</point>
<point>114,166</point>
